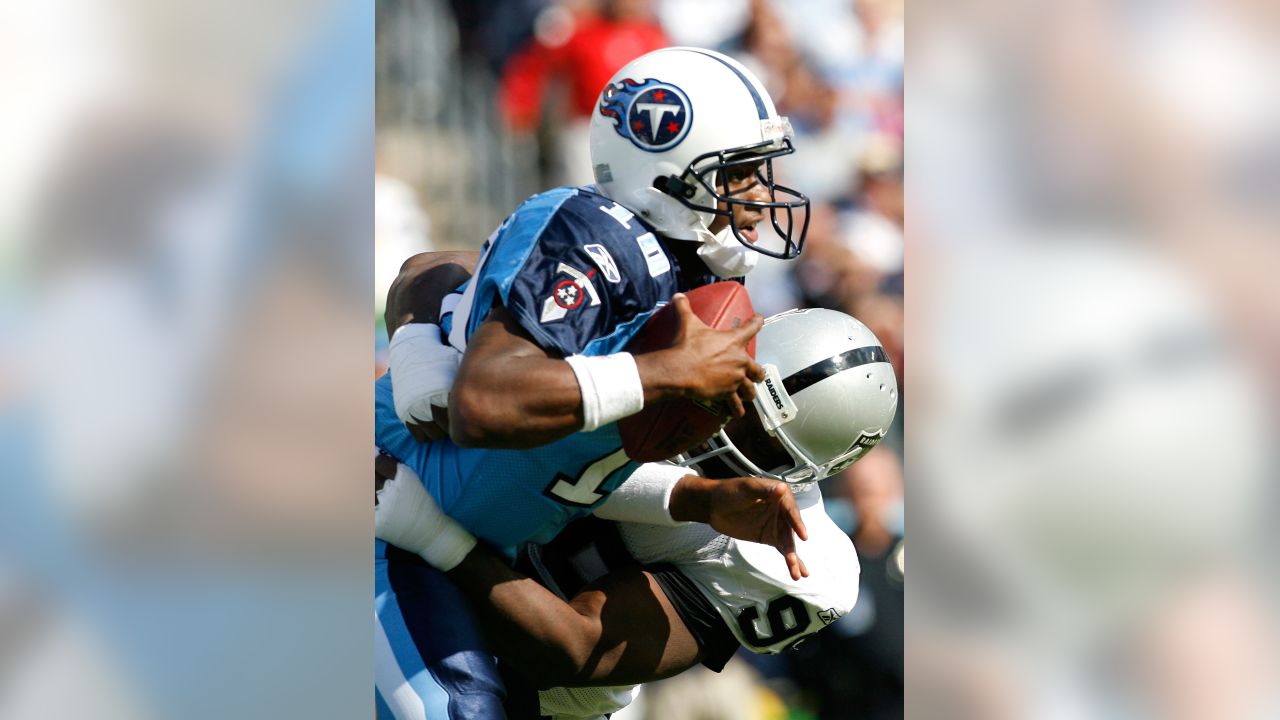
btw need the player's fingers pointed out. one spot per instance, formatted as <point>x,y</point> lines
<point>755,372</point>
<point>787,503</point>
<point>797,567</point>
<point>747,391</point>
<point>786,544</point>
<point>684,311</point>
<point>736,406</point>
<point>749,330</point>
<point>384,467</point>
<point>418,431</point>
<point>793,565</point>
<point>764,489</point>
<point>433,431</point>
<point>440,417</point>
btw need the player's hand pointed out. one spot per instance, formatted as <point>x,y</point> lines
<point>405,515</point>
<point>713,364</point>
<point>746,508</point>
<point>384,468</point>
<point>423,431</point>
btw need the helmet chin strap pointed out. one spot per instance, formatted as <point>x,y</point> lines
<point>724,255</point>
<point>721,252</point>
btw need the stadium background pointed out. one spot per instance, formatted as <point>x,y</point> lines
<point>481,104</point>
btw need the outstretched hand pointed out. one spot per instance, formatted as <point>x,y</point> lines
<point>759,510</point>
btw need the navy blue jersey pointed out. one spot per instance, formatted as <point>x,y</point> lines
<point>581,275</point>
<point>579,272</point>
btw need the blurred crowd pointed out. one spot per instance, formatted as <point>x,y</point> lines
<point>535,69</point>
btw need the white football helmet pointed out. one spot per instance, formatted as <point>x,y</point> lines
<point>828,397</point>
<point>668,122</point>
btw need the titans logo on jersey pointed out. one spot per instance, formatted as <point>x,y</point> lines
<point>581,275</point>
<point>655,116</point>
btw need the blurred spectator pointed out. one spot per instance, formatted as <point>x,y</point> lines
<point>480,37</point>
<point>873,231</point>
<point>582,44</point>
<point>765,47</point>
<point>703,23</point>
<point>826,157</point>
<point>828,273</point>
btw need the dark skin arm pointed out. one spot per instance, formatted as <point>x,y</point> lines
<point>621,629</point>
<point>422,283</point>
<point>414,297</point>
<point>510,393</point>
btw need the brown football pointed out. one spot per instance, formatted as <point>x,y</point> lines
<point>669,427</point>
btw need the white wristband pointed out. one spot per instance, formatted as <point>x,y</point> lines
<point>611,388</point>
<point>422,370</point>
<point>645,497</point>
<point>406,516</point>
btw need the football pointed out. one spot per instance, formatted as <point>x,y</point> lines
<point>669,427</point>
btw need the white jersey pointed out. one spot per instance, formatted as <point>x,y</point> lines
<point>747,583</point>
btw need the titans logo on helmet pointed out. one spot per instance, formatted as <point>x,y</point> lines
<point>654,115</point>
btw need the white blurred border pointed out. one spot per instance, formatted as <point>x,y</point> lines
<point>1092,216</point>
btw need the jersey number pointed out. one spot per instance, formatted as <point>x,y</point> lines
<point>785,618</point>
<point>584,491</point>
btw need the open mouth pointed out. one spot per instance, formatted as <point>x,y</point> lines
<point>749,232</point>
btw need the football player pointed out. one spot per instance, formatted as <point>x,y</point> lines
<point>649,600</point>
<point>682,142</point>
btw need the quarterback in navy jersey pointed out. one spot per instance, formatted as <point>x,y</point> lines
<point>566,298</point>
<point>520,434</point>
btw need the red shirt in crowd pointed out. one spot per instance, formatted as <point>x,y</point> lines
<point>597,48</point>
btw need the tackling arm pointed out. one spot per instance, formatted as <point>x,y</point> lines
<point>624,628</point>
<point>424,279</point>
<point>621,629</point>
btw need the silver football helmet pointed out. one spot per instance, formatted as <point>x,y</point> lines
<point>829,396</point>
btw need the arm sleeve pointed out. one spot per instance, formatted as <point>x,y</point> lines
<point>560,301</point>
<point>570,269</point>
<point>550,286</point>
<point>714,638</point>
<point>645,497</point>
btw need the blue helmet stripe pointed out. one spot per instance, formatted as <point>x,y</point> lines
<point>760,108</point>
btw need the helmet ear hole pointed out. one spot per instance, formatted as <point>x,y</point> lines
<point>674,186</point>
